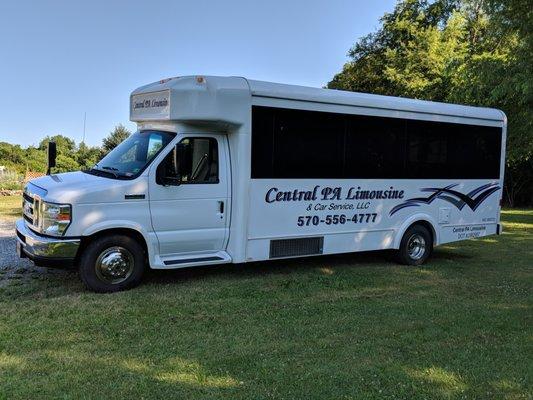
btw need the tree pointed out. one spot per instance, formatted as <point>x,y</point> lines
<point>117,136</point>
<point>511,85</point>
<point>12,156</point>
<point>35,159</point>
<point>412,54</point>
<point>70,157</point>
<point>87,156</point>
<point>65,164</point>
<point>66,153</point>
<point>63,143</point>
<point>476,52</point>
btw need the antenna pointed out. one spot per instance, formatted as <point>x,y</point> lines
<point>84,123</point>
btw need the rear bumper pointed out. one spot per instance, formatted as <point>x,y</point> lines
<point>45,251</point>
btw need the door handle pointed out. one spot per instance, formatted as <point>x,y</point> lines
<point>221,207</point>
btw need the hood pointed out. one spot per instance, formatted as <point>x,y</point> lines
<point>80,187</point>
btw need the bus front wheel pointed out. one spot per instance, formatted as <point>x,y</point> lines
<point>112,263</point>
<point>415,247</point>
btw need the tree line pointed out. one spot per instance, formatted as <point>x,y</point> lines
<point>70,156</point>
<point>475,52</point>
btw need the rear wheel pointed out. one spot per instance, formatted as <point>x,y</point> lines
<point>416,246</point>
<point>112,263</point>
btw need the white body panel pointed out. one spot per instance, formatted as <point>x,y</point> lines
<point>191,219</point>
<point>348,224</point>
<point>182,225</point>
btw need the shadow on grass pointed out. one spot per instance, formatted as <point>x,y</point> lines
<point>327,264</point>
<point>449,255</point>
<point>269,267</point>
<point>58,282</point>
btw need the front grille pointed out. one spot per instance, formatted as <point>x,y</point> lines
<point>28,219</point>
<point>28,198</point>
<point>21,237</point>
<point>296,247</point>
<point>30,209</point>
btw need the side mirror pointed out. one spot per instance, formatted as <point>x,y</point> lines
<point>52,154</point>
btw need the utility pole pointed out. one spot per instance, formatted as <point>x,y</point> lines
<point>84,123</point>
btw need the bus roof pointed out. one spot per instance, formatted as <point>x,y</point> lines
<point>236,89</point>
<point>342,97</point>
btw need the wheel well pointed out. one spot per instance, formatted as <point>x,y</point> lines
<point>428,226</point>
<point>85,240</point>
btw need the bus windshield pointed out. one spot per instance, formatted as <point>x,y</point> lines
<point>133,155</point>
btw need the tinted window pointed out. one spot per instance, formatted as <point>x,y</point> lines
<point>427,150</point>
<point>374,147</point>
<point>262,142</point>
<point>306,144</point>
<point>444,150</point>
<point>475,151</point>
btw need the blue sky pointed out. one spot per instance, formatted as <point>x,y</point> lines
<point>60,59</point>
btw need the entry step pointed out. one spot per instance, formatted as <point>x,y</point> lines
<point>220,257</point>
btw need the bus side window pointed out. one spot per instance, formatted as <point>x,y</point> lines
<point>289,144</point>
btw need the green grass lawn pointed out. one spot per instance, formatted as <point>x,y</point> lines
<point>342,327</point>
<point>10,207</point>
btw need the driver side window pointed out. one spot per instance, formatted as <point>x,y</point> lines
<point>199,166</point>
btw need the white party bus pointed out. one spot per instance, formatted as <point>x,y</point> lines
<point>230,170</point>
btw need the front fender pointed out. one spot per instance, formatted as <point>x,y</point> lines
<point>114,224</point>
<point>149,237</point>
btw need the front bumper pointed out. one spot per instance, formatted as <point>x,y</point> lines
<point>45,251</point>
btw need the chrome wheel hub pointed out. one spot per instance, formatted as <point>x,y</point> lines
<point>416,246</point>
<point>114,265</point>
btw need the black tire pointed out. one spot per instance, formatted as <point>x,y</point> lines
<point>416,246</point>
<point>104,259</point>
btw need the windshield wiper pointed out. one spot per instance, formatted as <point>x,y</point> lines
<point>110,170</point>
<point>104,170</point>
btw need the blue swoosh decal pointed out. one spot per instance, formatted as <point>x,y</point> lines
<point>458,199</point>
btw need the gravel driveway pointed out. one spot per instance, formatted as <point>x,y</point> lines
<point>12,268</point>
<point>8,254</point>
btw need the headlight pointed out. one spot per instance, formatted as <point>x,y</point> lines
<point>54,218</point>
